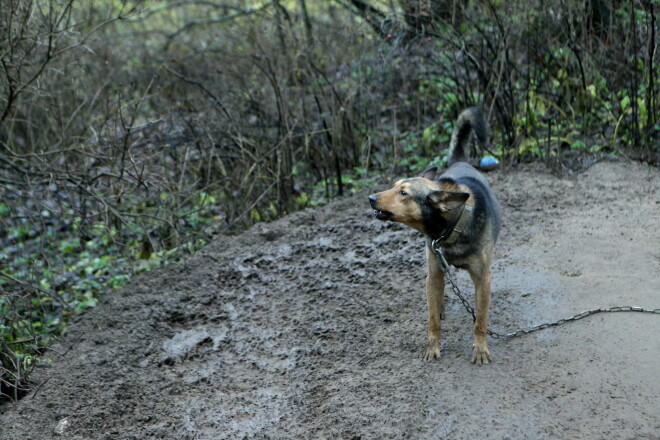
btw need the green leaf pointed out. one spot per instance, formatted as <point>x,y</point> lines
<point>625,102</point>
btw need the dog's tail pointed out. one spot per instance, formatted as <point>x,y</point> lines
<point>471,119</point>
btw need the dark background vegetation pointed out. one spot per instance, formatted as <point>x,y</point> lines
<point>132,131</point>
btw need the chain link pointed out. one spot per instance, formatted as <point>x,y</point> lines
<point>445,268</point>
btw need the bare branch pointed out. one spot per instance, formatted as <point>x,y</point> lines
<point>370,14</point>
<point>215,20</point>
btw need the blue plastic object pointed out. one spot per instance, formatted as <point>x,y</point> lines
<point>488,162</point>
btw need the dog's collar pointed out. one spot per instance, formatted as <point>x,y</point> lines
<point>451,234</point>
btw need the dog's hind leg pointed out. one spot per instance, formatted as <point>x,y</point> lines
<point>481,278</point>
<point>435,295</point>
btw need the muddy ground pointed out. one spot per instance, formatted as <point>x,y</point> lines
<point>314,327</point>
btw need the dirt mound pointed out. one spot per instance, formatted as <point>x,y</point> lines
<point>314,327</point>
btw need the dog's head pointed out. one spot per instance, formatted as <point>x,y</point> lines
<point>422,203</point>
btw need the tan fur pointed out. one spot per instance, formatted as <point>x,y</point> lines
<point>403,209</point>
<point>435,296</point>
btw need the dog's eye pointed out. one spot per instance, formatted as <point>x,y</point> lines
<point>403,193</point>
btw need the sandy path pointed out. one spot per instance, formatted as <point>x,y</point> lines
<point>314,327</point>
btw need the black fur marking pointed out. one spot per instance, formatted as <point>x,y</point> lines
<point>430,173</point>
<point>484,207</point>
<point>484,211</point>
<point>463,133</point>
<point>471,119</point>
<point>434,223</point>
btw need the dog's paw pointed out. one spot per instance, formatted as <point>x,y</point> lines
<point>480,354</point>
<point>433,351</point>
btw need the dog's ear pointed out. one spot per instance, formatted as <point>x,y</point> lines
<point>430,173</point>
<point>447,200</point>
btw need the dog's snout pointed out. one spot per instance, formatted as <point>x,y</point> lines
<point>372,200</point>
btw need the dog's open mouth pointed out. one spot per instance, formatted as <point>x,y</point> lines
<point>382,215</point>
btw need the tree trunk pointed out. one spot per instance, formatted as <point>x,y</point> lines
<point>308,23</point>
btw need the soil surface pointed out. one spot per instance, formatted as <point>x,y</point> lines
<point>314,326</point>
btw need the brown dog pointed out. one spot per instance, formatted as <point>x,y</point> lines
<point>458,210</point>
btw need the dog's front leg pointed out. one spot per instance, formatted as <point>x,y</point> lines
<point>481,278</point>
<point>435,295</point>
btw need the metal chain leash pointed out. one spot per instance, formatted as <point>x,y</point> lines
<point>445,268</point>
